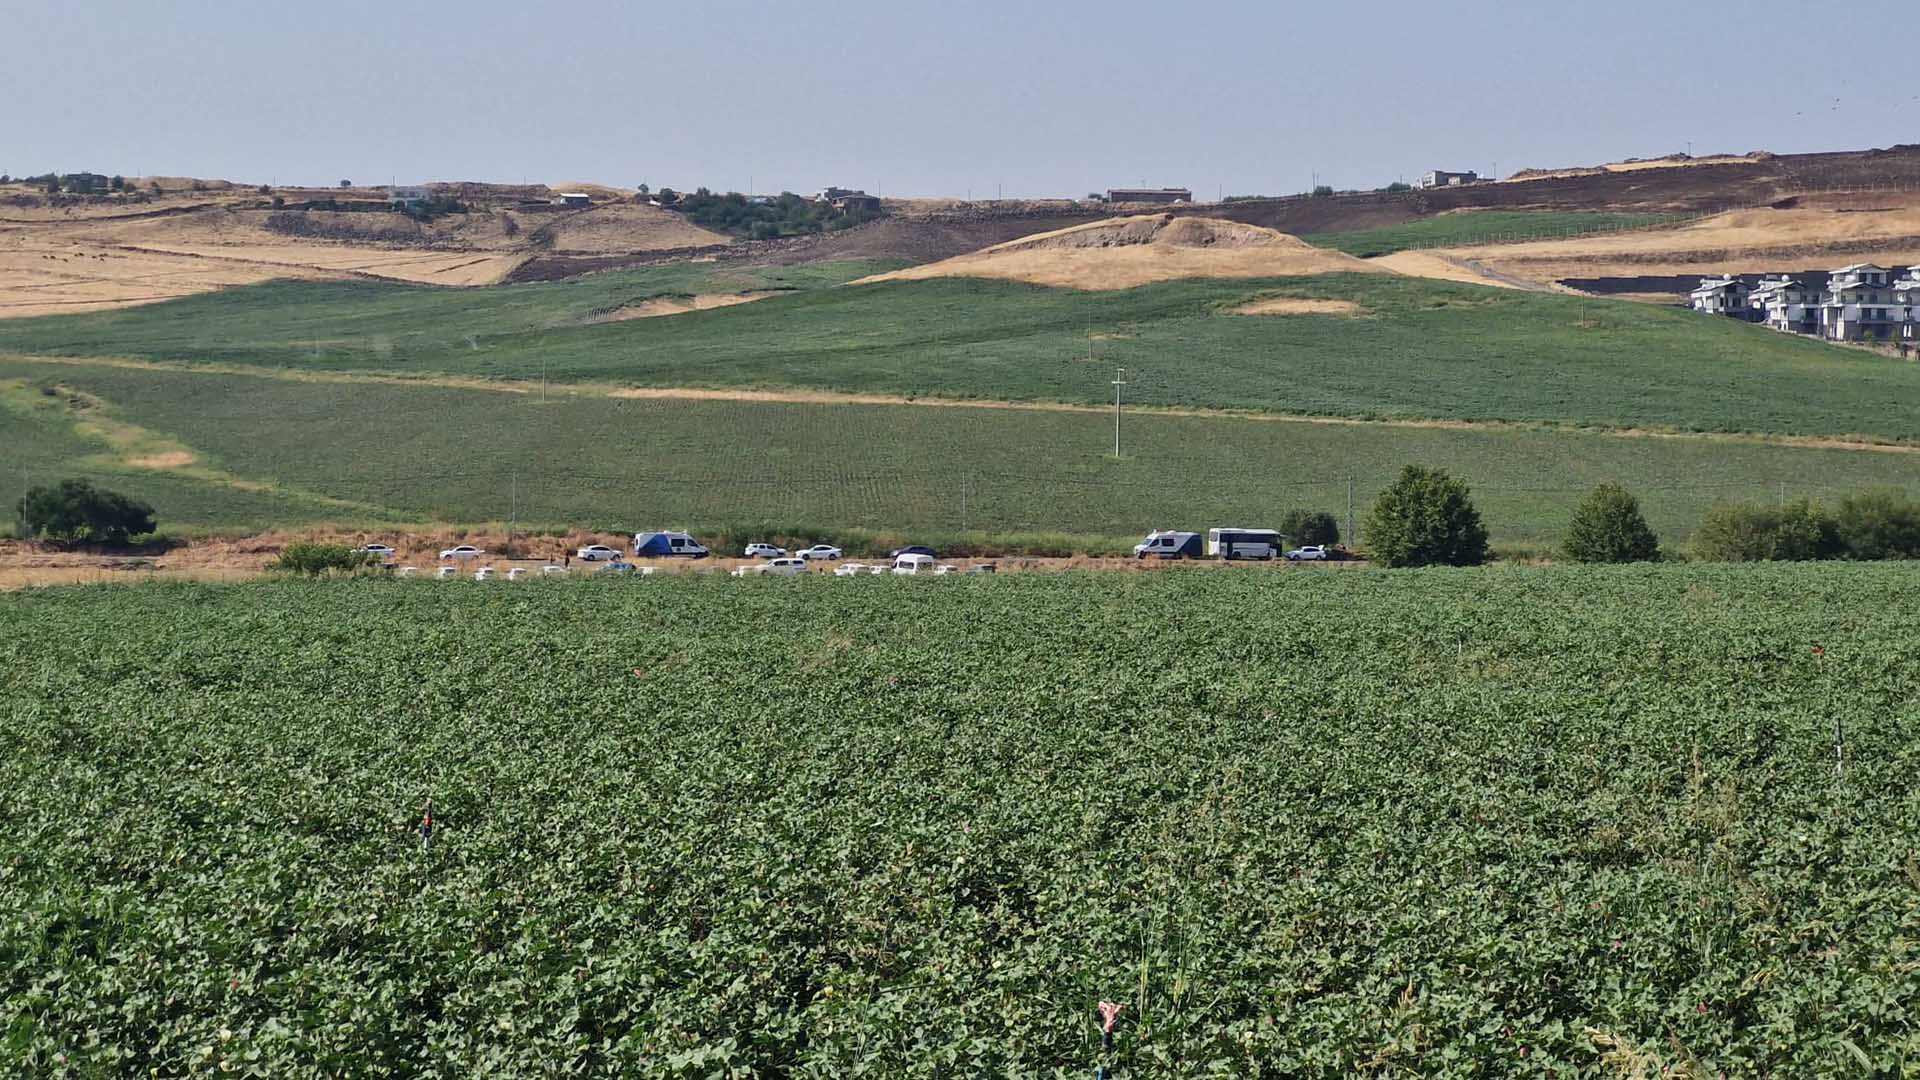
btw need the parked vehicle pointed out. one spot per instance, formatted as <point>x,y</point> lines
<point>914,549</point>
<point>982,568</point>
<point>553,571</point>
<point>821,551</point>
<point>1243,543</point>
<point>1310,553</point>
<point>1167,544</point>
<point>790,565</point>
<point>946,568</point>
<point>409,571</point>
<point>764,551</point>
<point>597,553</point>
<point>385,553</point>
<point>485,573</point>
<point>446,572</point>
<point>517,572</point>
<point>464,551</point>
<point>621,566</point>
<point>667,545</point>
<point>852,569</point>
<point>913,562</point>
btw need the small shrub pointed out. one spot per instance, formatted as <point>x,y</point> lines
<point>1301,526</point>
<point>1322,191</point>
<point>76,512</point>
<point>1879,524</point>
<point>1609,528</point>
<point>1750,532</point>
<point>316,559</point>
<point>1425,519</point>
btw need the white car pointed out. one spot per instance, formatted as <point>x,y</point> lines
<point>852,569</point>
<point>764,551</point>
<point>946,568</point>
<point>597,553</point>
<point>820,551</point>
<point>385,553</point>
<point>409,571</point>
<point>783,567</point>
<point>464,551</point>
<point>485,573</point>
<point>446,572</point>
<point>518,572</point>
<point>553,571</point>
<point>1310,553</point>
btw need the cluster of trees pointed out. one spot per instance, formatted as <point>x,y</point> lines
<point>80,183</point>
<point>1872,524</point>
<point>76,512</point>
<point>314,560</point>
<point>786,214</point>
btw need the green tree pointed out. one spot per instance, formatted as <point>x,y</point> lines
<point>1880,523</point>
<point>1425,519</point>
<point>1322,191</point>
<point>76,512</point>
<point>1302,526</point>
<point>643,189</point>
<point>118,183</point>
<point>315,559</point>
<point>53,184</point>
<point>1608,528</point>
<point>1750,532</point>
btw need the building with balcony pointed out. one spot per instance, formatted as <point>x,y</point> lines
<point>1786,304</point>
<point>1722,296</point>
<point>1859,305</point>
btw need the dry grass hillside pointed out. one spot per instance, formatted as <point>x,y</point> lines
<point>89,253</point>
<point>1799,233</point>
<point>1123,253</point>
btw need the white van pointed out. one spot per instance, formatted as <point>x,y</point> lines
<point>1244,543</point>
<point>913,564</point>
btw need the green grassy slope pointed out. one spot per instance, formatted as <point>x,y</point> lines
<point>453,454</point>
<point>1319,825</point>
<point>1428,349</point>
<point>1479,227</point>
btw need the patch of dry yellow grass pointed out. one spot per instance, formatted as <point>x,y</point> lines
<point>1287,305</point>
<point>680,305</point>
<point>1125,253</point>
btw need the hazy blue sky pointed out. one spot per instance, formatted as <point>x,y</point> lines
<point>921,98</point>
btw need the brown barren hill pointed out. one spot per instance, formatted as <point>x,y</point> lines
<point>1123,253</point>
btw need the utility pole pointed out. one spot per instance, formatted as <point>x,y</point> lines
<point>513,506</point>
<point>1119,380</point>
<point>1350,539</point>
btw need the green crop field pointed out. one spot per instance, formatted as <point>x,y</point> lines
<point>1641,822</point>
<point>420,453</point>
<point>1481,227</point>
<point>1424,349</point>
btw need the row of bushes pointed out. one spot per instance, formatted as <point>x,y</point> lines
<point>1427,518</point>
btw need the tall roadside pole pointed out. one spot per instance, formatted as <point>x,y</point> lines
<point>1119,380</point>
<point>1351,541</point>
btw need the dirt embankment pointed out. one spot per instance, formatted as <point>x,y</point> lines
<point>1122,253</point>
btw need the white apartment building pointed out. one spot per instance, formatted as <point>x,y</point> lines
<point>1786,304</point>
<point>1906,293</point>
<point>1859,305</point>
<point>1721,296</point>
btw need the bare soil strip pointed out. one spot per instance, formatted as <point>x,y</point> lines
<point>831,397</point>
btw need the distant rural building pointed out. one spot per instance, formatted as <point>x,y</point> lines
<point>856,200</point>
<point>1440,178</point>
<point>1149,195</point>
<point>1862,302</point>
<point>828,194</point>
<point>1721,296</point>
<point>408,196</point>
<point>573,198</point>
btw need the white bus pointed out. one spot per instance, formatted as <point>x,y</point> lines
<point>1243,543</point>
